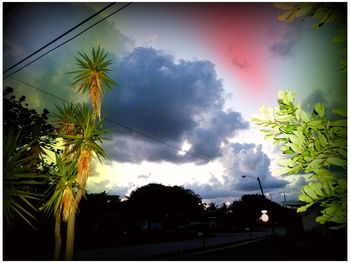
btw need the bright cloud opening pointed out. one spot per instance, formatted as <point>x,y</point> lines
<point>186,146</point>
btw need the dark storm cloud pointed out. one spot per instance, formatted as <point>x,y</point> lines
<point>161,97</point>
<point>207,141</point>
<point>170,101</point>
<point>319,96</point>
<point>293,189</point>
<point>240,159</point>
<point>249,159</point>
<point>312,99</point>
<point>211,190</point>
<point>135,149</point>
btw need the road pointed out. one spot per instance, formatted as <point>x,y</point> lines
<point>295,247</point>
<point>138,252</point>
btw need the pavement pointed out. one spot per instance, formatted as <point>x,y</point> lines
<point>170,249</point>
<point>277,245</point>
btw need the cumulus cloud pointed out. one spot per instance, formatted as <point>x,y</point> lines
<point>118,190</point>
<point>293,189</point>
<point>316,96</point>
<point>135,149</point>
<point>312,99</point>
<point>170,101</point>
<point>144,176</point>
<point>249,159</point>
<point>96,187</point>
<point>240,159</point>
<point>105,185</point>
<point>221,125</point>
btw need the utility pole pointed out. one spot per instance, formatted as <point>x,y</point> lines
<point>262,192</point>
<point>257,178</point>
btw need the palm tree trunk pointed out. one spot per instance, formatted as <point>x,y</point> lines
<point>58,239</point>
<point>71,223</point>
<point>70,236</point>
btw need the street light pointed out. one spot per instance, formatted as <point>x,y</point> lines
<point>257,178</point>
<point>264,217</point>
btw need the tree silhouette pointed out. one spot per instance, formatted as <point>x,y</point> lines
<point>171,205</point>
<point>99,220</point>
<point>246,212</point>
<point>26,135</point>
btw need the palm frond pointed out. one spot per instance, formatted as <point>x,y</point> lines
<point>18,177</point>
<point>92,76</point>
<point>63,176</point>
<point>74,166</point>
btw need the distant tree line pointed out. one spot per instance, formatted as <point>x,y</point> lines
<point>246,213</point>
<point>154,209</point>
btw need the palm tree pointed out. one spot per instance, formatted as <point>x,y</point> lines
<point>64,122</point>
<point>82,136</point>
<point>92,76</point>
<point>60,193</point>
<point>84,146</point>
<point>60,196</point>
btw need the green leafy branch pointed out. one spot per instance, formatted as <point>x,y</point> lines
<point>314,145</point>
<point>322,13</point>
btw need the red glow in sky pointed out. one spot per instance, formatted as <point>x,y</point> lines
<point>236,33</point>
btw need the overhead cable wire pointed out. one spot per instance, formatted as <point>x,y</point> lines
<point>115,122</point>
<point>126,127</point>
<point>65,42</point>
<point>39,89</point>
<point>59,37</point>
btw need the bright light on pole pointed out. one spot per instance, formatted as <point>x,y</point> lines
<point>264,217</point>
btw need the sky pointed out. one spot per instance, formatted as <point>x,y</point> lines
<point>190,76</point>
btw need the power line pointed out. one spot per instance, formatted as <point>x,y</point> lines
<point>115,122</point>
<point>59,37</point>
<point>126,127</point>
<point>118,10</point>
<point>39,89</point>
